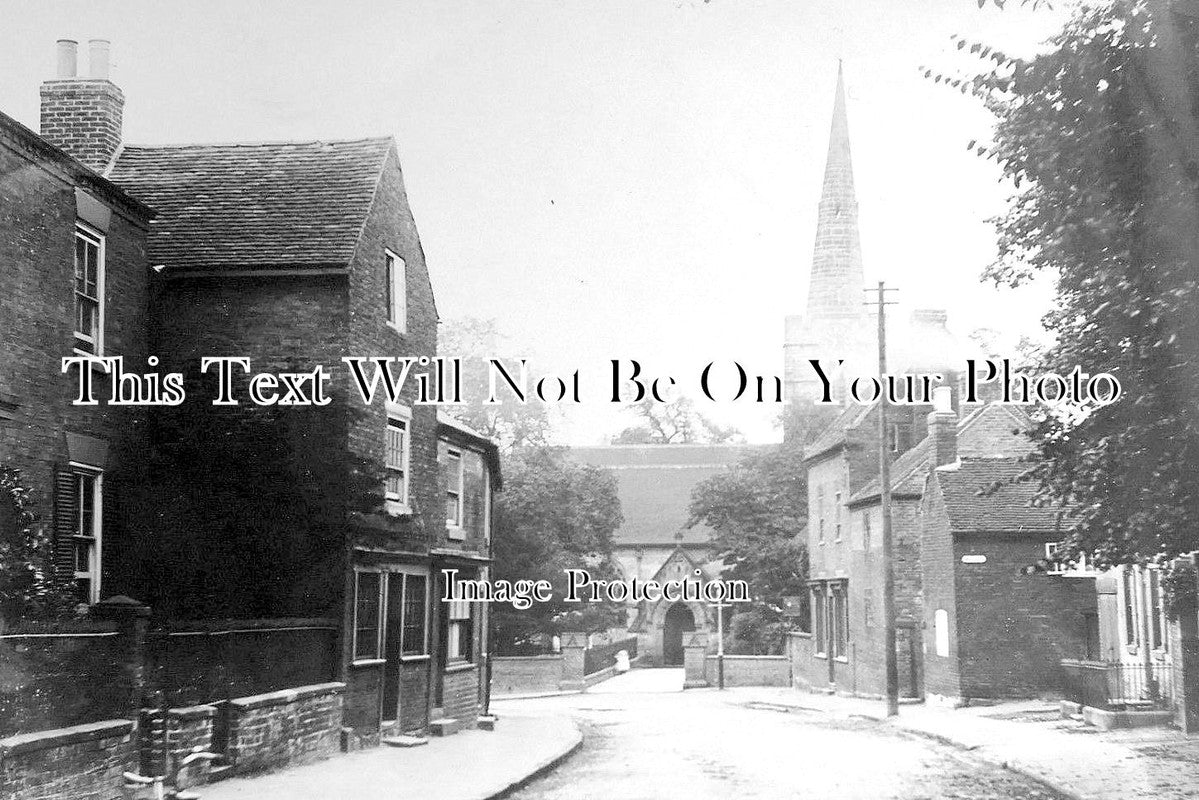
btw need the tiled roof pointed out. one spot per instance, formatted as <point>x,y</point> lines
<point>851,417</point>
<point>983,494</point>
<point>254,206</point>
<point>654,483</point>
<point>976,438</point>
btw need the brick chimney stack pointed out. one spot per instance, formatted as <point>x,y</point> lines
<point>82,115</point>
<point>943,427</point>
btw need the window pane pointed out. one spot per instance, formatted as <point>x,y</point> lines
<point>366,615</point>
<point>414,614</point>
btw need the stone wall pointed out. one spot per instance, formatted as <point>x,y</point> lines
<point>525,674</point>
<point>749,670</point>
<point>83,762</point>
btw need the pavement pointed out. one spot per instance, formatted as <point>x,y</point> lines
<point>471,765</point>
<point>1031,738</point>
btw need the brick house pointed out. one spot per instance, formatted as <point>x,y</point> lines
<point>75,282</point>
<point>994,627</point>
<point>844,537</point>
<point>291,253</point>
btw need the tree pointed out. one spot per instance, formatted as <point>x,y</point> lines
<point>27,586</point>
<point>757,510</point>
<point>511,423</point>
<point>553,515</point>
<point>1100,138</point>
<point>675,422</point>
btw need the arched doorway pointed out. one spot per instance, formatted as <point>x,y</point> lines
<point>679,620</point>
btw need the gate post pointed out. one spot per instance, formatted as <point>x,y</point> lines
<point>1184,652</point>
<point>695,658</point>
<point>574,646</point>
<point>132,620</point>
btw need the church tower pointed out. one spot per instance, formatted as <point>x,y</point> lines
<point>836,324</point>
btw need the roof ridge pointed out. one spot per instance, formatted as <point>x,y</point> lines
<point>255,143</point>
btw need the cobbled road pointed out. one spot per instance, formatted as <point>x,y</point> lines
<point>645,739</point>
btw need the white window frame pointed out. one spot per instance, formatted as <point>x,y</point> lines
<point>95,238</point>
<point>396,276</point>
<point>455,526</point>
<point>405,655</point>
<point>837,517</point>
<point>487,503</point>
<point>379,612</point>
<point>398,502</point>
<point>95,538</point>
<point>457,613</point>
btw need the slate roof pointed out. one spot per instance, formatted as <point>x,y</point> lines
<point>982,494</point>
<point>654,483</point>
<point>254,206</point>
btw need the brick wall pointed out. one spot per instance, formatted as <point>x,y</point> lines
<point>460,694</point>
<point>1013,629</point>
<point>83,762</point>
<point>414,695</point>
<point>750,670</point>
<point>55,676</point>
<point>941,674</point>
<point>278,729</point>
<point>184,730</point>
<point>83,117</point>
<point>37,306</point>
<point>525,674</point>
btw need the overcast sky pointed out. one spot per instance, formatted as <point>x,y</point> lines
<point>605,178</point>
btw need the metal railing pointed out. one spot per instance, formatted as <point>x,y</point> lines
<point>1120,684</point>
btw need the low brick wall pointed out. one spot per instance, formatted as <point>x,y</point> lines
<point>750,670</point>
<point>525,674</point>
<point>83,762</point>
<point>292,726</point>
<point>185,730</point>
<point>460,694</point>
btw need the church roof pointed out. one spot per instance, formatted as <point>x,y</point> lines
<point>654,483</point>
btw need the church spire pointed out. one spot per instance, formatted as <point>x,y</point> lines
<point>835,286</point>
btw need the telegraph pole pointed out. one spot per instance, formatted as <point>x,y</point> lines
<point>890,666</point>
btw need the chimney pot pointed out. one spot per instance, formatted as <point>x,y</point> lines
<point>67,51</point>
<point>97,58</point>
<point>943,400</point>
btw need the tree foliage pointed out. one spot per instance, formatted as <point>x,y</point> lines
<point>674,422</point>
<point>27,586</point>
<point>553,515</point>
<point>510,423</point>
<point>757,509</point>
<point>1099,138</point>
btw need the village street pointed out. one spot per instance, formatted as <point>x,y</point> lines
<point>645,738</point>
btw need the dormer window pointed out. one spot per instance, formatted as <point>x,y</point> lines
<point>397,292</point>
<point>89,291</point>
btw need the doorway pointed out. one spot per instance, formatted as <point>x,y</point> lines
<point>679,620</point>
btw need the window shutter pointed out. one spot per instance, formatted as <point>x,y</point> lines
<point>112,541</point>
<point>66,511</point>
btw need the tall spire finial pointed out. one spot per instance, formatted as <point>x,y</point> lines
<point>835,288</point>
